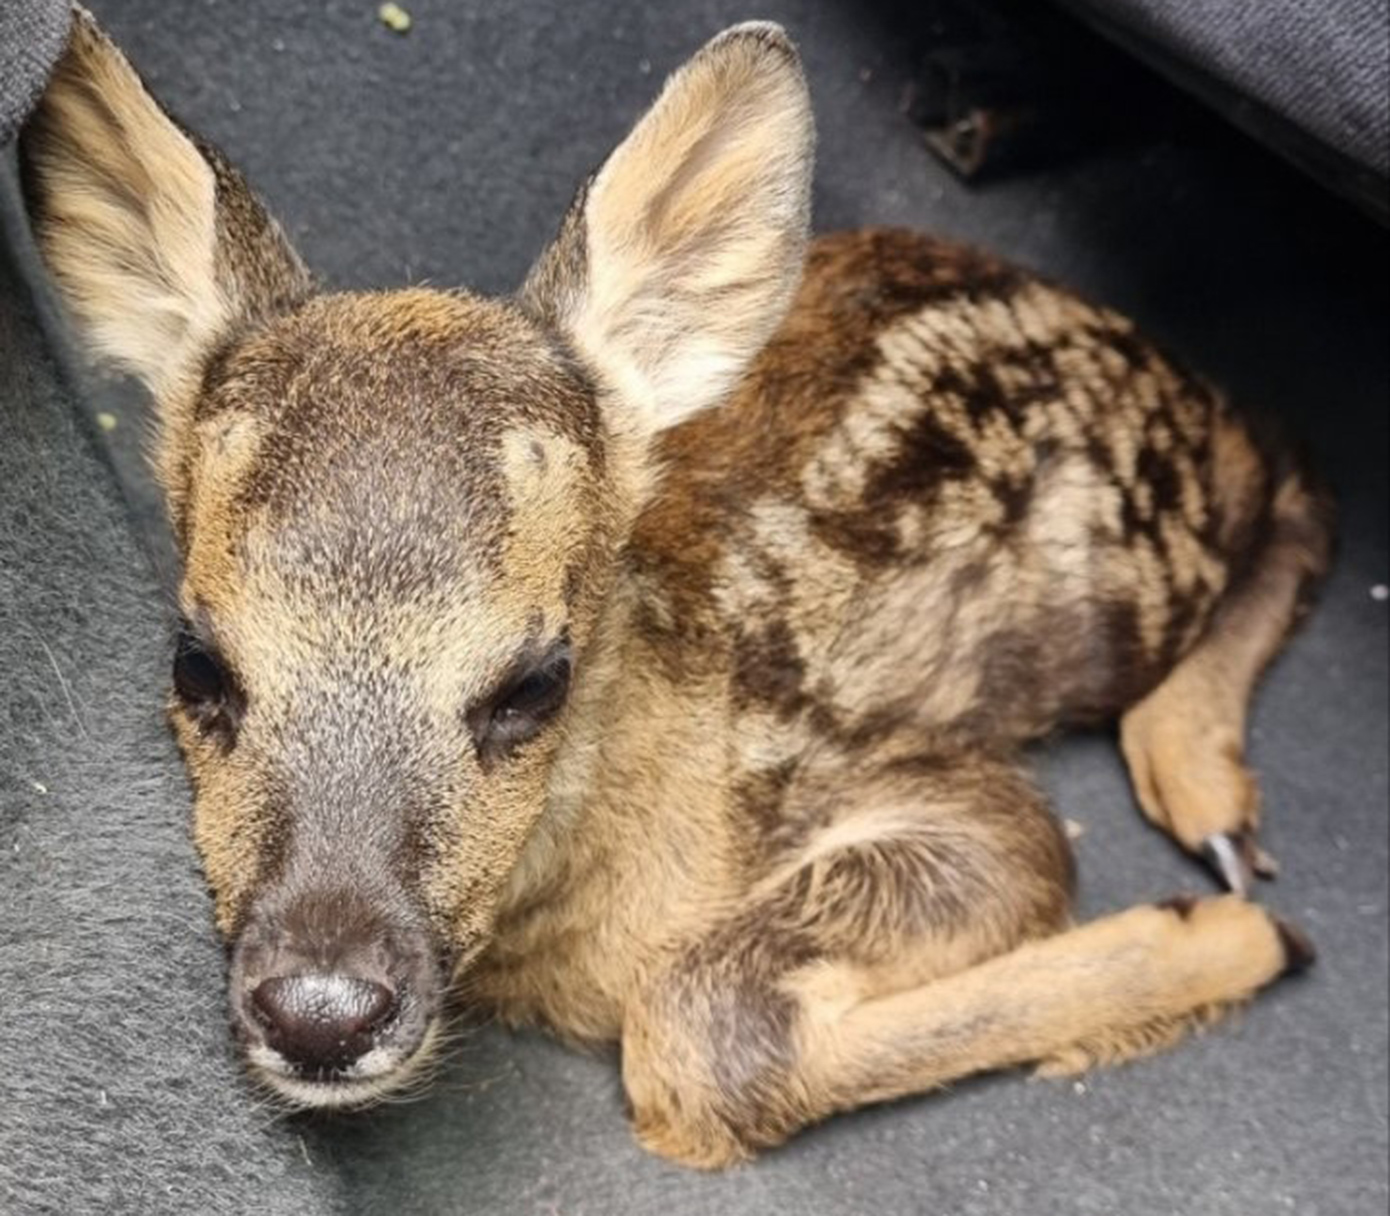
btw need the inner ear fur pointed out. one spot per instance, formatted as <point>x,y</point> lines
<point>679,258</point>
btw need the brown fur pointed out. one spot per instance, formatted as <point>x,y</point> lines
<point>776,841</point>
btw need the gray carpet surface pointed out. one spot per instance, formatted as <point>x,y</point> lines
<point>448,154</point>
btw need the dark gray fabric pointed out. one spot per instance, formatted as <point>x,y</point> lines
<point>118,1093</point>
<point>31,35</point>
<point>449,154</point>
<point>1324,65</point>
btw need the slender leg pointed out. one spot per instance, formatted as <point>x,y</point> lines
<point>1120,986</point>
<point>1185,742</point>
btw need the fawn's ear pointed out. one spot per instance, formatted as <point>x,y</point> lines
<point>679,258</point>
<point>156,245</point>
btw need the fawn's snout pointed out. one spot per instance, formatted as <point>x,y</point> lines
<point>333,999</point>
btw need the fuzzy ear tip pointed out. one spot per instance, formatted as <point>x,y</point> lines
<point>84,25</point>
<point>760,36</point>
<point>87,44</point>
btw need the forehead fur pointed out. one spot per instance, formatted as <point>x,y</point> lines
<point>382,444</point>
<point>394,371</point>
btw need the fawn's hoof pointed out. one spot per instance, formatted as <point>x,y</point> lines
<point>1238,859</point>
<point>1299,951</point>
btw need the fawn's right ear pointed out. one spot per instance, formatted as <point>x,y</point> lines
<point>157,246</point>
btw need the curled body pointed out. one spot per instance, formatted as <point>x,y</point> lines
<point>648,654</point>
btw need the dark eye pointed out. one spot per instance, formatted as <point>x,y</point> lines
<point>204,686</point>
<point>523,704</point>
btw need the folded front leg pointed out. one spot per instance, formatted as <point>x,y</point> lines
<point>753,1057</point>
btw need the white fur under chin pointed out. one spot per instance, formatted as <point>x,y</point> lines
<point>369,1081</point>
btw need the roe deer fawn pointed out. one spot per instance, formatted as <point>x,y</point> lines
<point>648,654</point>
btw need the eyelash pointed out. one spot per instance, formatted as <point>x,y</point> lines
<point>522,706</point>
<point>205,688</point>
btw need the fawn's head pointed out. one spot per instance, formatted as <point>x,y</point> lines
<point>400,513</point>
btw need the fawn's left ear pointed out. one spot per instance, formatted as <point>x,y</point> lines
<point>679,258</point>
<point>157,246</point>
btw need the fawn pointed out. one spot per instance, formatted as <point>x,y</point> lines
<point>648,654</point>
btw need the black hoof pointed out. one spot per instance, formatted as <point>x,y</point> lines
<point>1299,952</point>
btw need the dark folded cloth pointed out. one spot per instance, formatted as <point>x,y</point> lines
<point>1310,79</point>
<point>31,35</point>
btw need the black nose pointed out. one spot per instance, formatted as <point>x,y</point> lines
<point>321,1022</point>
